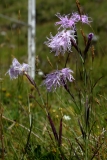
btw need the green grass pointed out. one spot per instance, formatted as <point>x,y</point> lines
<point>17,96</point>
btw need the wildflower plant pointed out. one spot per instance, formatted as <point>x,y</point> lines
<point>58,78</point>
<point>61,42</point>
<point>64,43</point>
<point>17,69</point>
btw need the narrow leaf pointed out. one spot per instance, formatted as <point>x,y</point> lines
<point>60,133</point>
<point>53,128</point>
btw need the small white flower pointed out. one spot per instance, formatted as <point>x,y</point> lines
<point>40,73</point>
<point>67,118</point>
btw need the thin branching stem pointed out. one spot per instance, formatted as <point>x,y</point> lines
<point>27,129</point>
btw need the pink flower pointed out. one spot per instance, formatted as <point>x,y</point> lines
<point>61,42</point>
<point>65,22</point>
<point>58,78</point>
<point>17,69</point>
<point>83,18</point>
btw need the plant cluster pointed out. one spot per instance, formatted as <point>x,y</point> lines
<point>86,143</point>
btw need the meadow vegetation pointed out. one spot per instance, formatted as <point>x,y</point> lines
<point>53,125</point>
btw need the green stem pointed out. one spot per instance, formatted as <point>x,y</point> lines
<point>1,125</point>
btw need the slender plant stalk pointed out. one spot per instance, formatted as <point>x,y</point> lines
<point>67,59</point>
<point>30,116</point>
<point>1,125</point>
<point>28,140</point>
<point>86,145</point>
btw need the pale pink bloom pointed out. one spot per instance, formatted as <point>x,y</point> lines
<point>61,42</point>
<point>65,21</point>
<point>58,78</point>
<point>17,69</point>
<point>83,18</point>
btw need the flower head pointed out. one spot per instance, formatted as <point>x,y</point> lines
<point>61,42</point>
<point>17,69</point>
<point>83,18</point>
<point>58,78</point>
<point>67,118</point>
<point>90,36</point>
<point>65,22</point>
